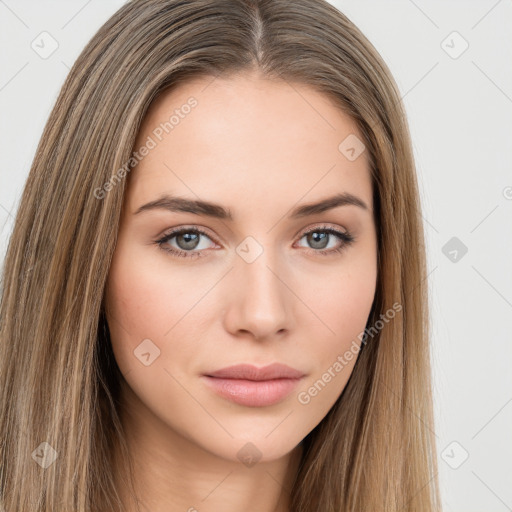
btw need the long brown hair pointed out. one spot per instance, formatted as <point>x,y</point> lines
<point>59,382</point>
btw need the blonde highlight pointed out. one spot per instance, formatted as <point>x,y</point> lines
<point>59,382</point>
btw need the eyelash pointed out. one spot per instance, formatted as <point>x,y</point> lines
<point>345,237</point>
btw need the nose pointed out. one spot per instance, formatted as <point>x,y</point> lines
<point>258,299</point>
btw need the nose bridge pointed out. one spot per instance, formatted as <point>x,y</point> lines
<point>259,302</point>
<point>261,280</point>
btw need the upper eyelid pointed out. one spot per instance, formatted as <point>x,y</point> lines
<point>204,231</point>
<point>174,232</point>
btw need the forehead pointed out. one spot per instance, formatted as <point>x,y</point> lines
<point>231,139</point>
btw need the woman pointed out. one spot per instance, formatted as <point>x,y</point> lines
<point>214,295</point>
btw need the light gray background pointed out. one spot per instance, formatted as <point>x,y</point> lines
<point>460,110</point>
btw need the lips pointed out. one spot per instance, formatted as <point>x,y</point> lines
<point>250,386</point>
<point>250,372</point>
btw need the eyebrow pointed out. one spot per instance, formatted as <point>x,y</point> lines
<point>197,207</point>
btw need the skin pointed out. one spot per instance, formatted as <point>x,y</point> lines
<point>260,148</point>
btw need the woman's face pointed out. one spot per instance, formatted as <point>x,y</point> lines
<point>243,282</point>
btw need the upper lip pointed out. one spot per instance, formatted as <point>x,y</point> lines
<point>250,372</point>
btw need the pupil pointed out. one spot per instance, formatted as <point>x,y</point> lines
<point>190,240</point>
<point>318,239</point>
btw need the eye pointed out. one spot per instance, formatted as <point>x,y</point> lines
<point>319,238</point>
<point>187,240</point>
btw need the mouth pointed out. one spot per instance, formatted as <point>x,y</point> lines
<point>250,386</point>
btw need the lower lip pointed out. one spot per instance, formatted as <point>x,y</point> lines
<point>253,393</point>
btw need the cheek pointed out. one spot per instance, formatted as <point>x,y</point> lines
<point>347,304</point>
<point>343,299</point>
<point>343,303</point>
<point>144,302</point>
